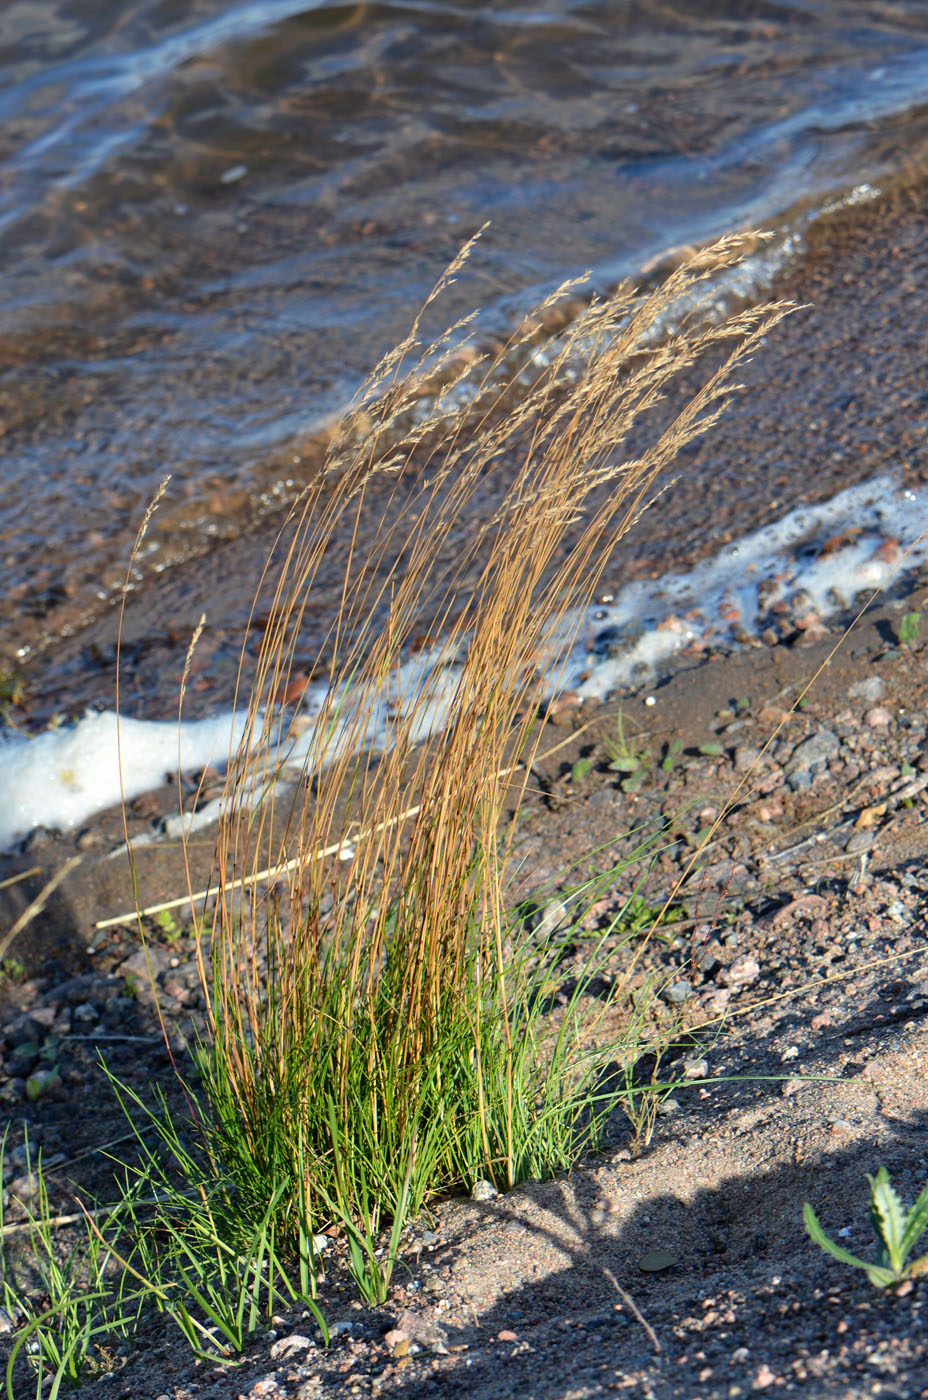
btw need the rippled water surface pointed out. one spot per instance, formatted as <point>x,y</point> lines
<point>215,216</point>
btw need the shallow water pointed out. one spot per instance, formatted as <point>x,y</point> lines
<point>215,216</point>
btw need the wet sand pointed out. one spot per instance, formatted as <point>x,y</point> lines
<point>835,396</point>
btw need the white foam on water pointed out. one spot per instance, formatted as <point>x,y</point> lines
<point>728,599</point>
<point>816,559</point>
<point>63,776</point>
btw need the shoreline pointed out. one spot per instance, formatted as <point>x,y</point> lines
<point>665,709</point>
<point>818,876</point>
<point>794,576</point>
<point>836,387</point>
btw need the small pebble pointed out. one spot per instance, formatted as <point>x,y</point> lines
<point>667,1108</point>
<point>656,1261</point>
<point>267,1385</point>
<point>677,992</point>
<point>878,717</point>
<point>716,1001</point>
<point>483,1191</point>
<point>741,972</point>
<point>288,1347</point>
<point>860,841</point>
<point>551,917</point>
<point>870,689</point>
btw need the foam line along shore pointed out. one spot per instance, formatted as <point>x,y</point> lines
<point>810,565</point>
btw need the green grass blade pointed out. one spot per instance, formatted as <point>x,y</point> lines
<point>191,1330</point>
<point>916,1222</point>
<point>817,1234</point>
<point>888,1218</point>
<point>213,1310</point>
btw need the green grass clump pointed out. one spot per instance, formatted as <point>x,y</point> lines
<point>356,1135</point>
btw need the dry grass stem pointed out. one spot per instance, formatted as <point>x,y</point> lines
<point>36,906</point>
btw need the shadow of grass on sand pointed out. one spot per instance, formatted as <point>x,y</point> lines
<point>750,1304</point>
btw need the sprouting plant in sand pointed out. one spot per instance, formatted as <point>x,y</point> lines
<point>625,758</point>
<point>375,1034</point>
<point>897,1231</point>
<point>908,629</point>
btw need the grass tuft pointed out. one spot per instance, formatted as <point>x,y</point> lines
<point>384,1027</point>
<point>376,1027</point>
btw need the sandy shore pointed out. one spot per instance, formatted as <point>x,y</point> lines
<point>800,884</point>
<point>799,952</point>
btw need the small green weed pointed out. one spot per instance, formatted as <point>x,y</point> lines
<point>12,970</point>
<point>896,1230</point>
<point>696,839</point>
<point>168,927</point>
<point>638,915</point>
<point>907,631</point>
<point>622,757</point>
<point>674,749</point>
